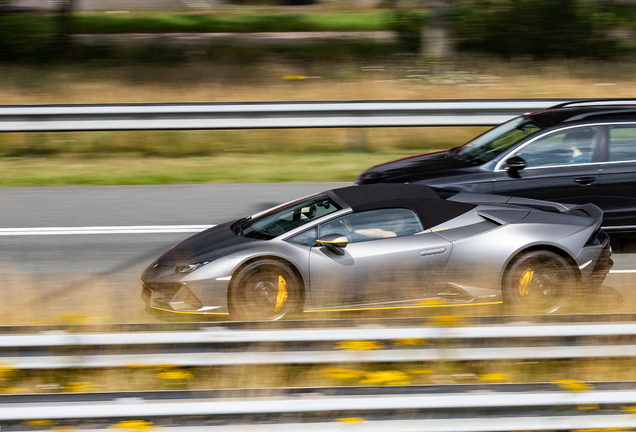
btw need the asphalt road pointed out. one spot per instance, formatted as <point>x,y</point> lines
<point>50,276</point>
<point>117,206</point>
<point>73,270</point>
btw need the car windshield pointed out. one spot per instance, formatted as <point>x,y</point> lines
<point>487,146</point>
<point>280,220</point>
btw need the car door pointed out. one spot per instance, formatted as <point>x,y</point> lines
<point>562,166</point>
<point>618,183</point>
<point>389,258</point>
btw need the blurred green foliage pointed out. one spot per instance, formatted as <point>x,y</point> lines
<point>104,23</point>
<point>536,28</point>
<point>510,28</point>
<point>408,24</point>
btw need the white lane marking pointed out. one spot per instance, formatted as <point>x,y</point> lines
<point>144,229</point>
<point>622,271</point>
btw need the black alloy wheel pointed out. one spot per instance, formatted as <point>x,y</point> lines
<point>539,282</point>
<point>265,290</point>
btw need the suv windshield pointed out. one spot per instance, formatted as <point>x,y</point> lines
<point>280,220</point>
<point>487,146</point>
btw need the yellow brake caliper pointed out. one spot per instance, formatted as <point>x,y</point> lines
<point>282,292</point>
<point>524,282</point>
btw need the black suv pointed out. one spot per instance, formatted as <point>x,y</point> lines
<point>575,152</point>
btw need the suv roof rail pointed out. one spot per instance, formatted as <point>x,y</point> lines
<point>599,102</point>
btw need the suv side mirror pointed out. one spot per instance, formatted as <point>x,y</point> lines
<point>334,243</point>
<point>515,163</point>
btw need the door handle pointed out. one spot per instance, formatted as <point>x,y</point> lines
<point>585,181</point>
<point>434,251</point>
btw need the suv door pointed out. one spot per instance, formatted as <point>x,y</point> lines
<point>618,185</point>
<point>561,166</point>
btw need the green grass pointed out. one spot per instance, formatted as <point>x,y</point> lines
<point>201,23</point>
<point>232,168</point>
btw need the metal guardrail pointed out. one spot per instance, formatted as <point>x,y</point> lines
<point>354,322</point>
<point>216,336</point>
<point>317,403</point>
<point>449,408</point>
<point>263,115</point>
<point>225,347</point>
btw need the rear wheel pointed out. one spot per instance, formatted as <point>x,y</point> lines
<point>539,282</point>
<point>265,290</point>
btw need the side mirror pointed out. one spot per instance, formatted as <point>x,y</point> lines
<point>515,163</point>
<point>334,243</point>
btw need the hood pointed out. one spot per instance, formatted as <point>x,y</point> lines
<point>416,168</point>
<point>205,245</point>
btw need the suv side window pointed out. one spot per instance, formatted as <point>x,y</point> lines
<point>570,147</point>
<point>374,225</point>
<point>622,143</point>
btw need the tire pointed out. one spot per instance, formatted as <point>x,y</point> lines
<point>265,290</point>
<point>538,282</point>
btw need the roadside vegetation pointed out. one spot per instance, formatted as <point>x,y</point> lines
<point>235,21</point>
<point>156,157</point>
<point>567,375</point>
<point>40,66</point>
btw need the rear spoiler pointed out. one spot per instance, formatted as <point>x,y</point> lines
<point>583,210</point>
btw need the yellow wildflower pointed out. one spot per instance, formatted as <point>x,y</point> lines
<point>40,423</point>
<point>421,371</point>
<point>573,385</point>
<point>175,375</point>
<point>359,345</point>
<point>494,377</point>
<point>79,387</point>
<point>133,425</point>
<point>412,341</point>
<point>386,378</point>
<point>432,302</point>
<point>343,374</point>
<point>447,320</point>
<point>630,410</point>
<point>602,430</point>
<point>14,390</point>
<point>6,369</point>
<point>74,318</point>
<point>351,420</point>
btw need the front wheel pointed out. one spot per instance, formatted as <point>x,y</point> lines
<point>539,282</point>
<point>265,290</point>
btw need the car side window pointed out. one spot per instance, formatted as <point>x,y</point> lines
<point>374,225</point>
<point>571,147</point>
<point>622,145</point>
<point>305,238</point>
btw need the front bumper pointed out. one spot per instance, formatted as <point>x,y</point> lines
<point>193,297</point>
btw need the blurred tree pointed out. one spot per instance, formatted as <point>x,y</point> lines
<point>5,33</point>
<point>424,26</point>
<point>535,28</point>
<point>65,11</point>
<point>65,26</point>
<point>436,33</point>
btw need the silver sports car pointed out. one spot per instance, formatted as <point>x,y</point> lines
<point>385,246</point>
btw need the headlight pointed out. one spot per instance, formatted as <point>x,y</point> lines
<point>188,268</point>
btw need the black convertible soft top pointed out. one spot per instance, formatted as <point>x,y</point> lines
<point>424,201</point>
